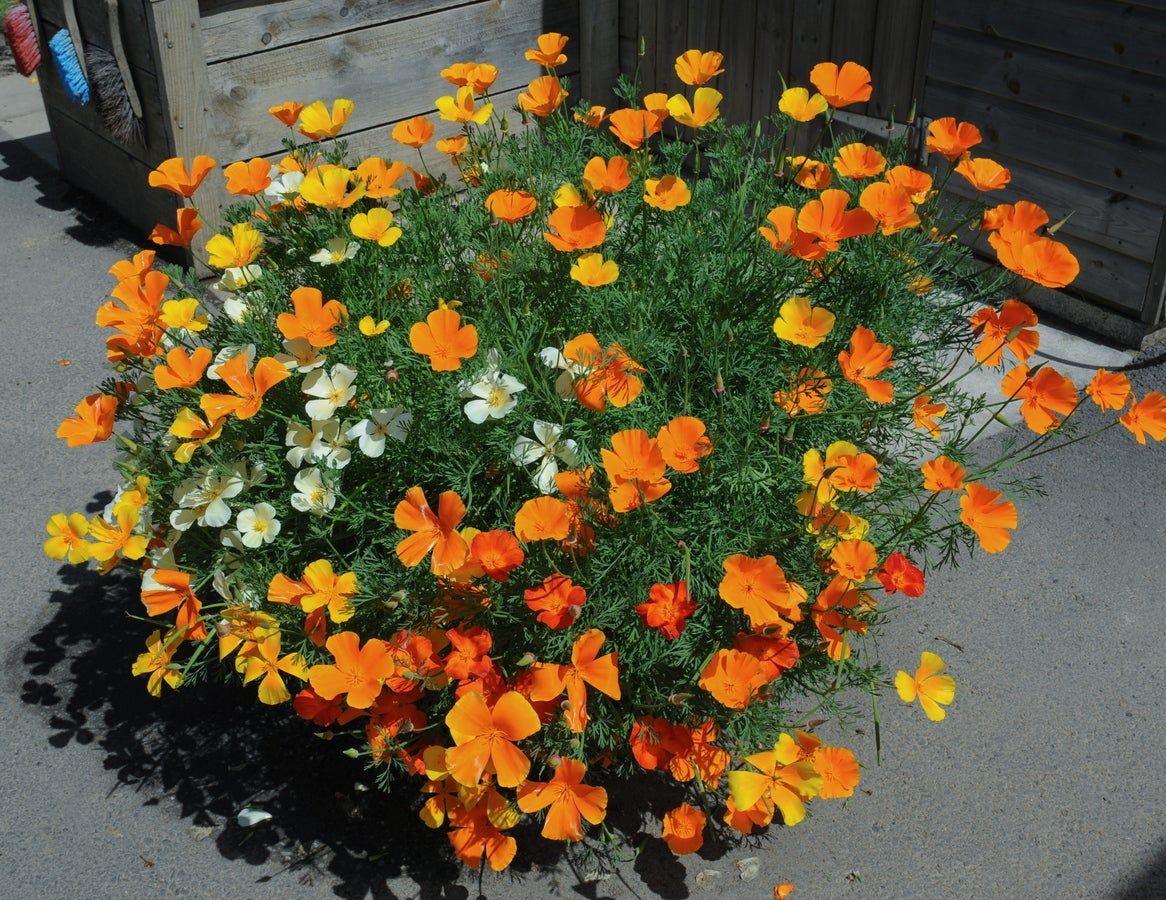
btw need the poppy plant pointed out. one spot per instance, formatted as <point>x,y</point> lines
<point>683,443</point>
<point>992,518</point>
<point>1146,417</point>
<point>900,574</point>
<point>575,228</point>
<point>782,778</point>
<point>92,421</point>
<point>1046,397</point>
<point>432,531</point>
<point>842,85</point>
<point>415,132</point>
<point>375,225</point>
<point>318,123</point>
<point>313,319</point>
<point>556,601</point>
<point>943,474</point>
<point>704,108</point>
<point>800,105</point>
<point>865,359</point>
<point>859,161</point>
<point>951,139</point>
<point>542,96</point>
<point>169,590</point>
<point>485,737</point>
<point>246,179</point>
<point>592,270</point>
<point>444,339</point>
<point>173,175</point>
<point>684,829</point>
<point>666,193</point>
<point>635,469</point>
<point>800,323</point>
<point>758,587</point>
<point>182,369</point>
<point>187,225</point>
<point>587,667</point>
<point>632,127</point>
<point>510,206</point>
<point>695,68</point>
<point>932,689</point>
<point>667,609</point>
<point>249,387</point>
<point>549,50</point>
<point>357,673</point>
<point>567,800</point>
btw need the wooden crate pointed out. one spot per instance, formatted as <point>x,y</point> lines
<point>207,70</point>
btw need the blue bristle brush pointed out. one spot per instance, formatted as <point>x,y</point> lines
<point>65,47</point>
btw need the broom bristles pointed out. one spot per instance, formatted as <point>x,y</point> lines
<point>113,103</point>
<point>69,66</point>
<point>21,36</point>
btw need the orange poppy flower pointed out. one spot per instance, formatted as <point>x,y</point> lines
<point>170,590</point>
<point>733,678</point>
<point>775,653</point>
<point>188,224</point>
<point>1012,327</point>
<point>158,662</point>
<point>913,182</point>
<point>900,574</point>
<point>542,96</point>
<point>575,228</point>
<point>485,738</point>
<point>1040,259</point>
<point>479,77</point>
<point>606,376</point>
<point>357,673</point>
<point>1109,390</point>
<point>828,219</point>
<point>313,319</point>
<point>666,193</point>
<point>785,237</point>
<point>331,187</point>
<point>182,370</point>
<point>549,51</point>
<point>859,161</point>
<point>832,618</point>
<point>990,517</point>
<point>173,175</point>
<point>865,359</point>
<point>850,470</point>
<point>136,267</point>
<point>569,801</point>
<point>841,86</point>
<point>317,123</point>
<point>249,388</point>
<point>683,443</point>
<point>556,600</point>
<point>854,560</point>
<point>510,206</point>
<point>951,139</point>
<point>632,127</point>
<point>415,132</point>
<point>436,532</point>
<point>497,552</point>
<point>653,741</point>
<point>745,821</point>
<point>667,609</point>
<point>890,206</point>
<point>469,650</point>
<point>635,469</point>
<point>807,394</point>
<point>92,422</point>
<point>444,340</point>
<point>943,474</point>
<point>758,587</point>
<point>1044,396</point>
<point>809,173</point>
<point>839,771</point>
<point>454,146</point>
<point>542,519</point>
<point>1147,417</point>
<point>783,779</point>
<point>783,890</point>
<point>586,668</point>
<point>1020,216</point>
<point>379,177</point>
<point>262,660</point>
<point>137,318</point>
<point>606,176</point>
<point>593,118</point>
<point>476,834</point>
<point>696,68</point>
<point>248,178</point>
<point>324,589</point>
<point>288,113</point>
<point>684,829</point>
<point>983,174</point>
<point>927,415</point>
<point>800,105</point>
<point>592,270</point>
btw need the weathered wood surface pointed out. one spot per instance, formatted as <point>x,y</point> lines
<point>598,49</point>
<point>1120,34</point>
<point>94,26</point>
<point>241,27</point>
<point>390,71</point>
<point>1082,90</point>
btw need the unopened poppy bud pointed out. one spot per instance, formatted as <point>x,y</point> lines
<point>680,545</point>
<point>575,612</point>
<point>325,735</point>
<point>641,48</point>
<point>719,385</point>
<point>553,760</point>
<point>351,753</point>
<point>392,376</point>
<point>527,659</point>
<point>505,124</point>
<point>765,425</point>
<point>679,699</point>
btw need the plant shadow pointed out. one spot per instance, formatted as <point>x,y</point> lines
<point>213,749</point>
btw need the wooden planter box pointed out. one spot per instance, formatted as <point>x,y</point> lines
<point>207,70</point>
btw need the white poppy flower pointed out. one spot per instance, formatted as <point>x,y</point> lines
<point>236,278</point>
<point>370,433</point>
<point>494,396</point>
<point>284,186</point>
<point>312,494</point>
<point>257,525</point>
<point>300,356</point>
<point>546,449</point>
<point>332,449</point>
<point>226,355</point>
<point>204,500</point>
<point>331,391</point>
<point>304,441</point>
<point>335,252</point>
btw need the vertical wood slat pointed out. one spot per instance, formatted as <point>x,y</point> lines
<point>853,37</point>
<point>671,32</point>
<point>894,58</point>
<point>182,79</point>
<point>771,59</point>
<point>737,35</point>
<point>647,34</point>
<point>599,54</point>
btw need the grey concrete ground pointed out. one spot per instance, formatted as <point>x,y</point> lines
<point>1047,780</point>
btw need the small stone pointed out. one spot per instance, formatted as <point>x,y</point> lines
<point>706,879</point>
<point>201,832</point>
<point>749,868</point>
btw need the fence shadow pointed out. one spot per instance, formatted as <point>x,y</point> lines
<point>212,749</point>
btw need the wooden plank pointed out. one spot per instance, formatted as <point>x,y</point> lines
<point>388,71</point>
<point>599,49</point>
<point>771,58</point>
<point>241,27</point>
<point>1114,33</point>
<point>704,25</point>
<point>1086,91</point>
<point>647,29</point>
<point>94,26</point>
<point>671,41</point>
<point>1115,161</point>
<point>893,59</point>
<point>1154,305</point>
<point>813,30</point>
<point>738,44</point>
<point>182,76</point>
<point>629,36</point>
<point>107,172</point>
<point>1115,221</point>
<point>853,36</point>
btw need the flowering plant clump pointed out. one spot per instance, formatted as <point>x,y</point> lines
<point>605,455</point>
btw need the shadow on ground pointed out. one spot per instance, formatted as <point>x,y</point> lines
<point>212,749</point>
